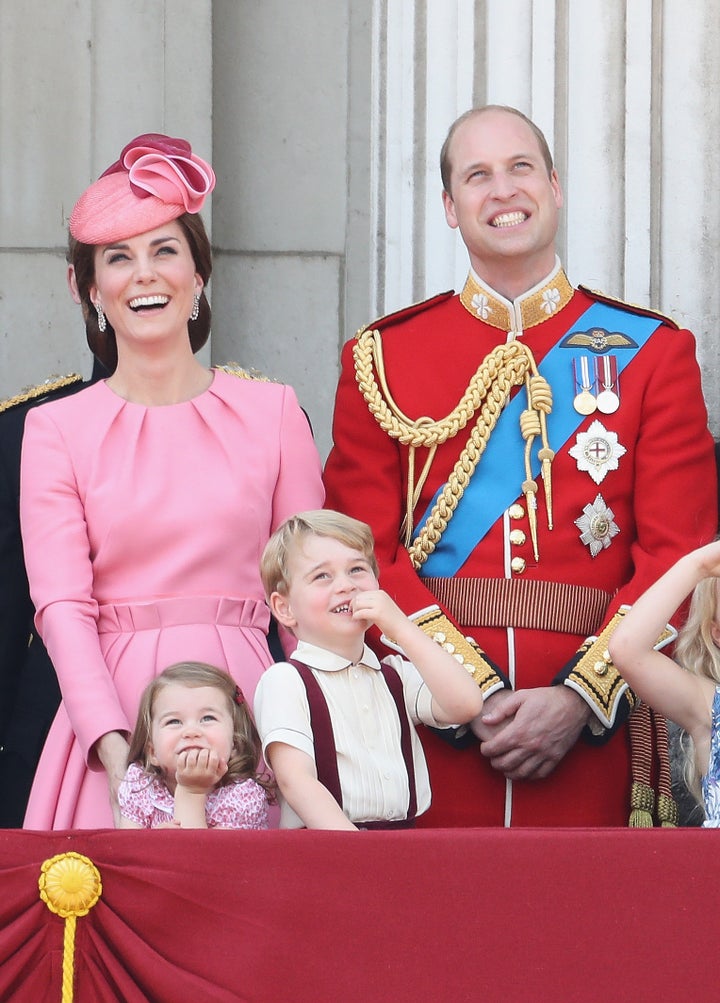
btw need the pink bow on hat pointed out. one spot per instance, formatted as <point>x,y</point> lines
<point>166,167</point>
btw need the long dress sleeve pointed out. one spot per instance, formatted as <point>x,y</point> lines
<point>58,560</point>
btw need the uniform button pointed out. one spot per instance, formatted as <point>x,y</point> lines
<point>516,511</point>
<point>600,668</point>
<point>518,565</point>
<point>517,537</point>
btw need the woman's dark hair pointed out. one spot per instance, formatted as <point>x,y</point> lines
<point>102,343</point>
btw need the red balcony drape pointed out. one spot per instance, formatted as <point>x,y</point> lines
<point>443,915</point>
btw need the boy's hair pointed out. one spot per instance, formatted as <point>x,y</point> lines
<point>247,748</point>
<point>274,570</point>
<point>697,652</point>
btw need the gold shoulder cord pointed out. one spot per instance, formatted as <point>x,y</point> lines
<point>507,366</point>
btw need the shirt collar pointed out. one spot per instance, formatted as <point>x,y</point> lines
<point>328,661</point>
<point>533,307</point>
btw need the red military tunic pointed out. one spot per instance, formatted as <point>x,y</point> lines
<point>661,493</point>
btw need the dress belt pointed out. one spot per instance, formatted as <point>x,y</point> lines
<point>523,603</point>
<point>174,611</point>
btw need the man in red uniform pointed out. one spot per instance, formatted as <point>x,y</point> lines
<point>530,457</point>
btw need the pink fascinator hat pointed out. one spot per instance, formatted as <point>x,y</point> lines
<point>156,179</point>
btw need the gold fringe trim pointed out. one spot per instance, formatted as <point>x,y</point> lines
<point>32,393</point>
<point>235,369</point>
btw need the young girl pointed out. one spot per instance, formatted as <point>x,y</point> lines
<point>194,756</point>
<point>689,696</point>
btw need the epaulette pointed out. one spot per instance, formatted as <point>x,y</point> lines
<point>41,390</point>
<point>643,311</point>
<point>409,311</point>
<point>235,369</point>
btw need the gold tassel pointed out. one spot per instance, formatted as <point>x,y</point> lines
<point>642,804</point>
<point>667,812</point>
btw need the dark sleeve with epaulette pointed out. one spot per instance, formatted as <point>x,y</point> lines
<point>29,692</point>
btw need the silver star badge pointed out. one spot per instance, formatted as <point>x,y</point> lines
<point>597,451</point>
<point>597,526</point>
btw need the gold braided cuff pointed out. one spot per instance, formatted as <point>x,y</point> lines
<point>592,674</point>
<point>433,622</point>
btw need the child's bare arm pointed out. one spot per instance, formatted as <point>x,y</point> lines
<point>126,823</point>
<point>198,772</point>
<point>456,696</point>
<point>682,696</point>
<point>296,777</point>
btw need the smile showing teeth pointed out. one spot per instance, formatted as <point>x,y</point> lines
<point>509,219</point>
<point>345,608</point>
<point>141,301</point>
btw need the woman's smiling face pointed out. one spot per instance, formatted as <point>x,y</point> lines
<point>146,284</point>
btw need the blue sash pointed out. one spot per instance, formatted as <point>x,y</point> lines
<point>502,465</point>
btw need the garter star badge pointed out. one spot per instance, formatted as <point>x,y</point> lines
<point>597,451</point>
<point>597,526</point>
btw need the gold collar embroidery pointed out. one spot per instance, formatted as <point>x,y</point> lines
<point>534,306</point>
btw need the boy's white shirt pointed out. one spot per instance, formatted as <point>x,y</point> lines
<point>364,717</point>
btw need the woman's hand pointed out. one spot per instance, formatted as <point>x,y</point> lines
<point>112,751</point>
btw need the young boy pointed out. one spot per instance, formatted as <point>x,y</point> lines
<point>337,725</point>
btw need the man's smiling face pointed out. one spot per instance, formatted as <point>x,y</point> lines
<point>502,198</point>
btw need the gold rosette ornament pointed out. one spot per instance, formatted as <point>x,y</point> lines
<point>69,886</point>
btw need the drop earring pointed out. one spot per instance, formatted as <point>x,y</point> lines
<point>102,323</point>
<point>195,313</point>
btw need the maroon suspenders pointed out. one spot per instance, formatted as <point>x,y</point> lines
<point>324,739</point>
<point>321,727</point>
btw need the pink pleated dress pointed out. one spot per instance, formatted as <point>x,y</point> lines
<point>143,529</point>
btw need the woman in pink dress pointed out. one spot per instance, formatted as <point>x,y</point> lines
<point>147,499</point>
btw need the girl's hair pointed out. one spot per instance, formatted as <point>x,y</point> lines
<point>247,748</point>
<point>274,570</point>
<point>697,652</point>
<point>102,343</point>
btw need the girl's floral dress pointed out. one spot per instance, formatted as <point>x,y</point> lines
<point>711,780</point>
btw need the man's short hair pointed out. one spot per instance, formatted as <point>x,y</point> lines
<point>319,522</point>
<point>445,164</point>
